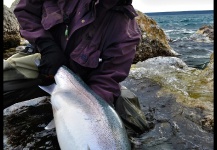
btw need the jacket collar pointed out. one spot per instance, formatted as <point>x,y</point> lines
<point>107,4</point>
<point>127,10</point>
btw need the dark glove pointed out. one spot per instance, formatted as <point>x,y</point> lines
<point>52,58</point>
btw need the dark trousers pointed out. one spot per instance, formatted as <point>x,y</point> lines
<point>21,90</point>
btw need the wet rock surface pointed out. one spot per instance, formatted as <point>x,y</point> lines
<point>175,126</point>
<point>191,87</point>
<point>24,126</point>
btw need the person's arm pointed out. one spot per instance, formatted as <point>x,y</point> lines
<point>106,78</point>
<point>116,60</point>
<point>29,15</point>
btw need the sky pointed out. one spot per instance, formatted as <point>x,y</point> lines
<point>147,6</point>
<point>8,2</point>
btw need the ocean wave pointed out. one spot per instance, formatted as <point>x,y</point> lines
<point>181,34</point>
<point>179,39</point>
<point>199,56</point>
<point>179,31</point>
<point>186,20</point>
<point>168,31</point>
<point>190,24</point>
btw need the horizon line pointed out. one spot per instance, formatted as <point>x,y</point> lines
<point>178,11</point>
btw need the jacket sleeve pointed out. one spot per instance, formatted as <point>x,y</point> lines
<point>29,16</point>
<point>117,58</point>
<point>105,80</point>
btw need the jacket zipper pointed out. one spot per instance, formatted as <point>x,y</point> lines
<point>67,32</point>
<point>66,21</point>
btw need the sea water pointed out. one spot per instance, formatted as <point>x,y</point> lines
<point>180,28</point>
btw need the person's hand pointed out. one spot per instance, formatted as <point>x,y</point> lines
<point>52,58</point>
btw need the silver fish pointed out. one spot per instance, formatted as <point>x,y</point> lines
<point>83,120</point>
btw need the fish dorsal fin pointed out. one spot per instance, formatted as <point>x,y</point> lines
<point>49,89</point>
<point>50,126</point>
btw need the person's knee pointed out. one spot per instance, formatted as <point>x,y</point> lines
<point>128,108</point>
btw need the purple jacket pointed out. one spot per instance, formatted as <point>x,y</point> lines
<point>101,39</point>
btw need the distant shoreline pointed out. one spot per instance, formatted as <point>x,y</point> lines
<point>180,12</point>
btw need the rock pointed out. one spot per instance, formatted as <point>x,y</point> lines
<point>14,4</point>
<point>9,52</point>
<point>206,30</point>
<point>192,87</point>
<point>206,75</point>
<point>24,125</point>
<point>11,35</point>
<point>154,41</point>
<point>176,126</point>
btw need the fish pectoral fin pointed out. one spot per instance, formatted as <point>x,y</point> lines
<point>49,89</point>
<point>50,126</point>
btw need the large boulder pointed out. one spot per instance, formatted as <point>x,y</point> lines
<point>154,41</point>
<point>14,4</point>
<point>11,34</point>
<point>206,30</point>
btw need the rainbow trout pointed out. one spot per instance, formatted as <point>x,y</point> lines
<point>83,120</point>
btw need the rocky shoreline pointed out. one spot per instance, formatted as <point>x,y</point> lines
<point>176,99</point>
